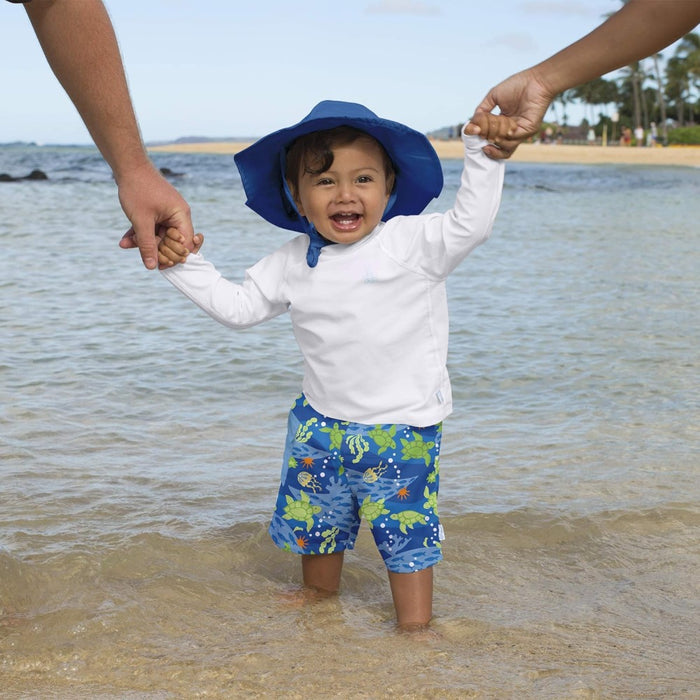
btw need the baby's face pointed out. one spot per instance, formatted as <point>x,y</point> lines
<point>346,202</point>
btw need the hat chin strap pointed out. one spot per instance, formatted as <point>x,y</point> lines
<point>316,240</point>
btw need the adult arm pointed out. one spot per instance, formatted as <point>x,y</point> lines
<point>80,45</point>
<point>641,28</point>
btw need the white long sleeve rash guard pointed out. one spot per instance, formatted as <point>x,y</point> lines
<point>371,318</point>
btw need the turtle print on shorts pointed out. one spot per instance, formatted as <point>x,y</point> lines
<point>336,473</point>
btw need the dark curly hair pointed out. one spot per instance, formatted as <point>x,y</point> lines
<point>314,152</point>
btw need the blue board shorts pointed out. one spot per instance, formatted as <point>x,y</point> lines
<point>336,472</point>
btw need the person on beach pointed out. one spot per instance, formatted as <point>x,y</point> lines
<point>639,29</point>
<point>91,71</point>
<point>364,284</point>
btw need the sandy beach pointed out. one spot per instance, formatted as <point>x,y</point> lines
<point>688,156</point>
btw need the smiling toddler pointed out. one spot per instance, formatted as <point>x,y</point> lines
<point>364,285</point>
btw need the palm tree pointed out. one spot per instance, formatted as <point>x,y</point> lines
<point>660,99</point>
<point>633,76</point>
<point>688,54</point>
<point>677,86</point>
<point>596,92</point>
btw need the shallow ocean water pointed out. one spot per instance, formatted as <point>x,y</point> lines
<point>137,482</point>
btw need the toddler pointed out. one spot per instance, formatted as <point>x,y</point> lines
<point>364,285</point>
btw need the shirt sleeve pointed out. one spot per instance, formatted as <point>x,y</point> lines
<point>233,305</point>
<point>434,244</point>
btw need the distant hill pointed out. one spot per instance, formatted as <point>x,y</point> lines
<point>205,139</point>
<point>445,133</point>
<point>19,143</point>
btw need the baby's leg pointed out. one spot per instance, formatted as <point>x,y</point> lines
<point>413,598</point>
<point>321,572</point>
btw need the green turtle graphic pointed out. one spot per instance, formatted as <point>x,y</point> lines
<point>301,510</point>
<point>371,510</point>
<point>336,436</point>
<point>383,438</point>
<point>430,500</point>
<point>408,518</point>
<point>417,448</point>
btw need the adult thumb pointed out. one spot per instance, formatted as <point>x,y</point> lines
<point>145,237</point>
<point>487,104</point>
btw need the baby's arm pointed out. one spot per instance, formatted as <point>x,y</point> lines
<point>171,247</point>
<point>233,305</point>
<point>495,128</point>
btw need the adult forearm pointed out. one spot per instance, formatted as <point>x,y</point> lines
<point>640,29</point>
<point>81,47</point>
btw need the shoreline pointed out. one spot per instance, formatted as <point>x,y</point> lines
<point>686,156</point>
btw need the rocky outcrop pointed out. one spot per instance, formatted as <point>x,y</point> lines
<point>34,175</point>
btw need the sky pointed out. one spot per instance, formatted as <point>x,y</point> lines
<point>224,68</point>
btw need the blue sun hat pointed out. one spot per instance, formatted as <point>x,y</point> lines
<point>418,169</point>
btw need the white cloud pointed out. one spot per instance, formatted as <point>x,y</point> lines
<point>403,7</point>
<point>557,7</point>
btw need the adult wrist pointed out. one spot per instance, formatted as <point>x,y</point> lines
<point>546,79</point>
<point>129,163</point>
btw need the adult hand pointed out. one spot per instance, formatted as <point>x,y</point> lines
<point>151,202</point>
<point>525,99</point>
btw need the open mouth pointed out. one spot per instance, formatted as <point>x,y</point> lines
<point>346,219</point>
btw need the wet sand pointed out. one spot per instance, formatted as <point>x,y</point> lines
<point>688,156</point>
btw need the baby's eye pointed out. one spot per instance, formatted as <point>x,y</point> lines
<point>365,178</point>
<point>324,181</point>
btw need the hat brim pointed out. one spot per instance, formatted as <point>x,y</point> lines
<point>418,177</point>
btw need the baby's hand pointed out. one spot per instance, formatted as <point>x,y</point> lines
<point>497,129</point>
<point>171,247</point>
